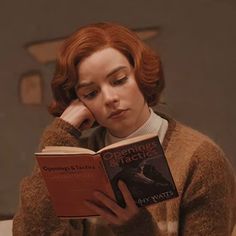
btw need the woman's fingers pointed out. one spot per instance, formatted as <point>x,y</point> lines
<point>105,213</point>
<point>110,210</point>
<point>78,115</point>
<point>110,204</point>
<point>130,203</point>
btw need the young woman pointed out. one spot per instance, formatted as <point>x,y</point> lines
<point>106,75</point>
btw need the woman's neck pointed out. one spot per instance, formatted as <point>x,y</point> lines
<point>154,124</point>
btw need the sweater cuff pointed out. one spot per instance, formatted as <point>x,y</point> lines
<point>62,124</point>
<point>142,224</point>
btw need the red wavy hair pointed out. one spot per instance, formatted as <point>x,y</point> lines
<point>91,38</point>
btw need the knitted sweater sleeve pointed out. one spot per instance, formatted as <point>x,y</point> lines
<point>208,204</point>
<point>35,215</point>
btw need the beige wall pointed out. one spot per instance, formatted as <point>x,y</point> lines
<point>196,42</point>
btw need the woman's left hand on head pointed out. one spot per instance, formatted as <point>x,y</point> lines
<point>112,212</point>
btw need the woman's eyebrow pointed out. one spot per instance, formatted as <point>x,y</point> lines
<point>84,84</point>
<point>116,70</point>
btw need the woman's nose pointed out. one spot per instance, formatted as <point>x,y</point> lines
<point>110,96</point>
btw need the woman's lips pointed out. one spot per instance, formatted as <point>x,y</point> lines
<point>117,114</point>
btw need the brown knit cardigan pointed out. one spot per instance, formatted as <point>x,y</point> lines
<point>203,176</point>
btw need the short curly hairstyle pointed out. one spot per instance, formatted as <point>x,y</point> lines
<point>91,38</point>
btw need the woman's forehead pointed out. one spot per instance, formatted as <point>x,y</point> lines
<point>104,60</point>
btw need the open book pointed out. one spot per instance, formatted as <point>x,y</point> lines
<point>72,174</point>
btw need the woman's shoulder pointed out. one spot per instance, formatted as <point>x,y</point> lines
<point>198,161</point>
<point>186,137</point>
<point>199,152</point>
<point>193,146</point>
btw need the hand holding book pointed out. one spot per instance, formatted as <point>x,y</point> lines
<point>111,211</point>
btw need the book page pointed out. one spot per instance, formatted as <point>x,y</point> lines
<point>129,140</point>
<point>65,150</point>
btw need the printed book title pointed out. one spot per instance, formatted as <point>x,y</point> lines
<point>120,157</point>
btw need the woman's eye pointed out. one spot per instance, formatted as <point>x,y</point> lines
<point>120,81</point>
<point>90,95</point>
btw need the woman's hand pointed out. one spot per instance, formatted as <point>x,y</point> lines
<point>78,115</point>
<point>112,212</point>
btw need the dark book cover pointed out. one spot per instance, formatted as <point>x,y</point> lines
<point>143,167</point>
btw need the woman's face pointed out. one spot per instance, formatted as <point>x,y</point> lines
<point>108,88</point>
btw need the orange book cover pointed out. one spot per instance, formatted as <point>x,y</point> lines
<point>71,181</point>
